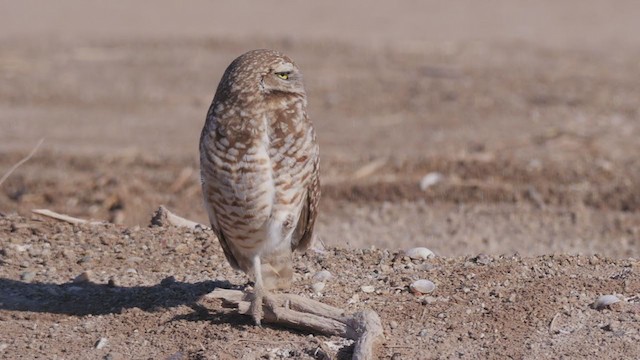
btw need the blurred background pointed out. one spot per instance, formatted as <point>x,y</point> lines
<point>466,127</point>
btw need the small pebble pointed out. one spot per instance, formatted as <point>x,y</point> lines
<point>429,300</point>
<point>176,356</point>
<point>367,289</point>
<point>423,333</point>
<point>338,344</point>
<point>354,299</point>
<point>430,179</point>
<point>317,287</point>
<point>605,301</point>
<point>7,252</point>
<point>422,287</point>
<point>27,276</point>
<point>84,259</point>
<point>84,277</point>
<point>321,276</point>
<point>67,253</point>
<point>101,343</point>
<point>393,324</point>
<point>424,267</point>
<point>22,248</point>
<point>419,253</point>
<point>612,326</point>
<point>134,260</point>
<point>181,249</point>
<point>482,259</point>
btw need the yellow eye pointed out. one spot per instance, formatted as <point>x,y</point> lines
<point>283,75</point>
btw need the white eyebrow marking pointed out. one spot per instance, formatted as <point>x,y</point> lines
<point>283,67</point>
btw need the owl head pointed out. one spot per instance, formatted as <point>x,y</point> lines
<point>262,72</point>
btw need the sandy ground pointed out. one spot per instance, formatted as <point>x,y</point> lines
<point>527,114</point>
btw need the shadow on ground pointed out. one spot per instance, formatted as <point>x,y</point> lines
<point>86,298</point>
<point>99,299</point>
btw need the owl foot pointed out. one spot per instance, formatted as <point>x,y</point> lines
<point>258,292</point>
<point>256,307</point>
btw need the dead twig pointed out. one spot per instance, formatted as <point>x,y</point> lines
<point>552,327</point>
<point>24,160</point>
<point>163,217</point>
<point>66,218</point>
<point>298,312</point>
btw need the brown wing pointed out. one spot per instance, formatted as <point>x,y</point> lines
<point>227,251</point>
<point>205,161</point>
<point>303,234</point>
<point>223,243</point>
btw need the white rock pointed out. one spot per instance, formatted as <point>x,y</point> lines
<point>84,277</point>
<point>336,346</point>
<point>322,275</point>
<point>429,300</point>
<point>419,253</point>
<point>422,287</point>
<point>604,301</point>
<point>367,289</point>
<point>22,248</point>
<point>101,343</point>
<point>27,276</point>
<point>354,299</point>
<point>317,287</point>
<point>430,179</point>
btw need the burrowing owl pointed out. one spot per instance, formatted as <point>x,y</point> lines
<point>259,168</point>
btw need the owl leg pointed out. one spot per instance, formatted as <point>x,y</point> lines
<point>258,291</point>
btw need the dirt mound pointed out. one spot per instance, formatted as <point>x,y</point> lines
<point>141,289</point>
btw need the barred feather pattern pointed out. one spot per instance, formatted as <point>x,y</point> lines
<point>260,165</point>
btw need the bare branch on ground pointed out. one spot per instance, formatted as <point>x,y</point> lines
<point>297,312</point>
<point>19,163</point>
<point>66,218</point>
<point>163,217</point>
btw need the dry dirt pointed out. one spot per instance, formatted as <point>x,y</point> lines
<point>531,123</point>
